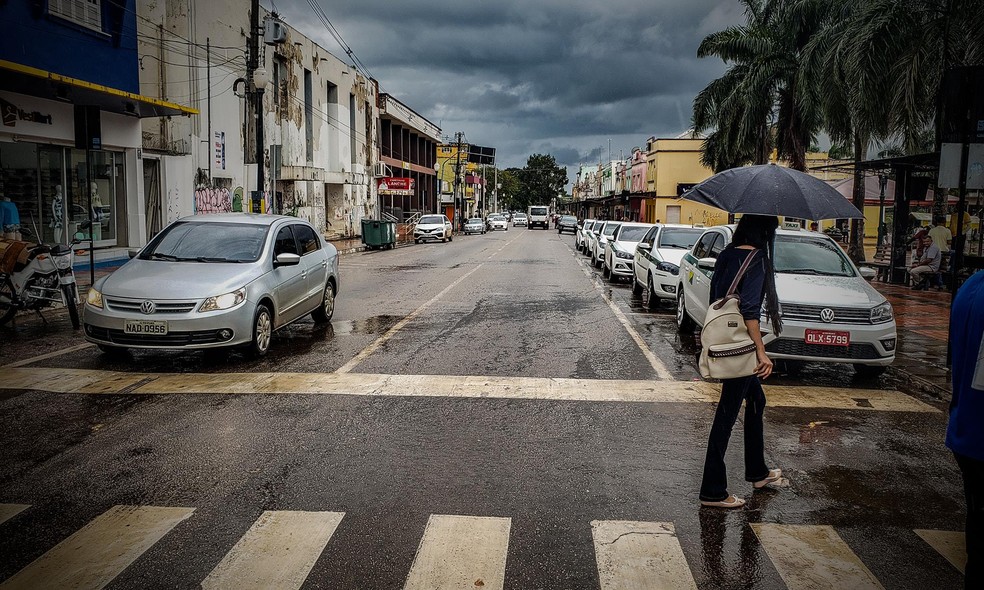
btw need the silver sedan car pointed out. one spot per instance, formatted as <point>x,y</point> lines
<point>214,281</point>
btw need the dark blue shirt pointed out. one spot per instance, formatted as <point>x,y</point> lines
<point>965,433</point>
<point>751,289</point>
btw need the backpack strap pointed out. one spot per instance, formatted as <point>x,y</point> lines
<point>741,272</point>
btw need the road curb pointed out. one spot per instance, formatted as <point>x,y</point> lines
<point>911,383</point>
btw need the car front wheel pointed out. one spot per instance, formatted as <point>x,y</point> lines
<point>262,332</point>
<point>323,314</point>
<point>685,324</point>
<point>636,287</point>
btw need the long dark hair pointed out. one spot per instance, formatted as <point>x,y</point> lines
<point>759,231</point>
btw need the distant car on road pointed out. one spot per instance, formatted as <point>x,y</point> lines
<point>520,219</point>
<point>657,261</point>
<point>475,225</point>
<point>830,313</point>
<point>567,223</point>
<point>215,281</point>
<point>433,227</point>
<point>495,222</point>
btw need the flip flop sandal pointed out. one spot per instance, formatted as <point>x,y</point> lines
<point>729,502</point>
<point>774,476</point>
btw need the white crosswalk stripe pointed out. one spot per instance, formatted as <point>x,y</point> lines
<point>461,552</point>
<point>8,511</point>
<point>950,544</point>
<point>640,556</point>
<point>278,551</point>
<point>100,550</point>
<point>812,557</point>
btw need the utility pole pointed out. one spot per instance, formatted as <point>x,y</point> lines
<point>252,65</point>
<point>457,178</point>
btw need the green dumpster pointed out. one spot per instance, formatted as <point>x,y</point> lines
<point>378,234</point>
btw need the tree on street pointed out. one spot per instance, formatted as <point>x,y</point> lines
<point>540,181</point>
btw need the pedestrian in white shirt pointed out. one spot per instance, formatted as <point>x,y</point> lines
<point>927,266</point>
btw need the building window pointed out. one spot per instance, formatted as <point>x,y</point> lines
<point>87,13</point>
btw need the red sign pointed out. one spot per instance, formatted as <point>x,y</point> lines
<point>395,186</point>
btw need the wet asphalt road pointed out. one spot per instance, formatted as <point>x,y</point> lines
<point>526,306</point>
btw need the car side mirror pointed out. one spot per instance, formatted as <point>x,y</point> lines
<point>286,259</point>
<point>132,253</point>
<point>644,246</point>
<point>867,273</point>
<point>706,263</point>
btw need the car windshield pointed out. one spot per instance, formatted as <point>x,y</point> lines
<point>431,220</point>
<point>474,220</point>
<point>682,238</point>
<point>538,211</point>
<point>495,218</point>
<point>609,229</point>
<point>193,241</point>
<point>806,255</point>
<point>569,219</point>
<point>632,233</point>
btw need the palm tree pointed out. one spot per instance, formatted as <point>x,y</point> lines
<point>762,85</point>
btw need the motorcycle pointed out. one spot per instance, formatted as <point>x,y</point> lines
<point>44,280</point>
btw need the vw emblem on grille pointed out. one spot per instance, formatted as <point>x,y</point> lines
<point>827,314</point>
<point>148,307</point>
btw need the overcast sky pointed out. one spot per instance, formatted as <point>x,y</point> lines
<point>533,76</point>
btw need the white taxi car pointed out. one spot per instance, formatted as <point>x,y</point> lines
<point>580,234</point>
<point>433,227</point>
<point>617,260</point>
<point>495,222</point>
<point>600,237</point>
<point>829,311</point>
<point>657,261</point>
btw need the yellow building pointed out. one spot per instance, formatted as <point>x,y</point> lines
<point>672,167</point>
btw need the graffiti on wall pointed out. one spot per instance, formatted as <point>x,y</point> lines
<point>213,200</point>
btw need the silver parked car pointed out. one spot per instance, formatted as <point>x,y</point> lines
<point>475,225</point>
<point>214,281</point>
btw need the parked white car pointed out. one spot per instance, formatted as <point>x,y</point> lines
<point>433,227</point>
<point>657,261</point>
<point>579,235</point>
<point>830,313</point>
<point>617,260</point>
<point>602,235</point>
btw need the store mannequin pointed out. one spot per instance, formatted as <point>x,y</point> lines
<point>57,213</point>
<point>9,219</point>
<point>96,199</point>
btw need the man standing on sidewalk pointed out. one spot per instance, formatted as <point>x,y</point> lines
<point>964,435</point>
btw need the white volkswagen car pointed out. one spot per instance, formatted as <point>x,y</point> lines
<point>433,227</point>
<point>657,261</point>
<point>830,313</point>
<point>620,250</point>
<point>601,236</point>
<point>215,281</point>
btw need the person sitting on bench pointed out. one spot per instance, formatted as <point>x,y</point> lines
<point>927,266</point>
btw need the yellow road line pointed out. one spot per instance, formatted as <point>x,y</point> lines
<point>950,544</point>
<point>49,355</point>
<point>100,550</point>
<point>88,381</point>
<point>633,555</point>
<point>811,557</point>
<point>278,551</point>
<point>8,511</point>
<point>461,552</point>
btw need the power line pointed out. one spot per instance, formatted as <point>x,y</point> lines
<point>323,17</point>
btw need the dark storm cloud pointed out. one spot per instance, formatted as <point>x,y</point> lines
<point>545,76</point>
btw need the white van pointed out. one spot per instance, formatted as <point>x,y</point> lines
<point>538,215</point>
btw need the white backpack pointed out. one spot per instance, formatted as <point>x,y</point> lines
<point>727,351</point>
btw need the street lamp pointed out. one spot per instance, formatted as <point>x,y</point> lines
<point>260,81</point>
<point>882,183</point>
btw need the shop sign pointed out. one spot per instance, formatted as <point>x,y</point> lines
<point>220,147</point>
<point>395,186</point>
<point>11,113</point>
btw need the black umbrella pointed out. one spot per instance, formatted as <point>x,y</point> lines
<point>773,190</point>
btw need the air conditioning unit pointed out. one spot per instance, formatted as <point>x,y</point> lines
<point>379,170</point>
<point>274,31</point>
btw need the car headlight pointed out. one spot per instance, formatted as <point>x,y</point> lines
<point>622,254</point>
<point>226,301</point>
<point>668,267</point>
<point>94,298</point>
<point>882,313</point>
